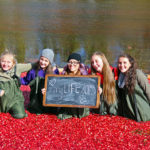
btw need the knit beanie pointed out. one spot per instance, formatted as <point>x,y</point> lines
<point>49,54</point>
<point>75,56</point>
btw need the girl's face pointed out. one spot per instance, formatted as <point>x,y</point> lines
<point>97,63</point>
<point>73,65</point>
<point>44,62</point>
<point>7,62</point>
<point>123,64</point>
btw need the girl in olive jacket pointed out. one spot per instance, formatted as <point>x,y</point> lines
<point>133,90</point>
<point>11,99</point>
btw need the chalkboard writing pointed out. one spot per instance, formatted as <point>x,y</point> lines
<point>71,91</point>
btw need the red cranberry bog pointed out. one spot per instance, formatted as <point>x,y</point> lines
<point>92,132</point>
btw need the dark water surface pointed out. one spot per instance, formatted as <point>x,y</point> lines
<point>110,26</point>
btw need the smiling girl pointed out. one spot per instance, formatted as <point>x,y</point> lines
<point>36,77</point>
<point>44,66</point>
<point>11,99</point>
<point>107,90</point>
<point>73,67</point>
<point>133,90</point>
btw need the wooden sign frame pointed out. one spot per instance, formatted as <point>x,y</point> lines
<point>97,100</point>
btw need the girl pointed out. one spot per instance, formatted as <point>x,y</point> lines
<point>101,67</point>
<point>11,99</point>
<point>133,90</point>
<point>74,67</point>
<point>35,79</point>
<point>44,67</point>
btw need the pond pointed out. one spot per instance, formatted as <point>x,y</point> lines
<point>84,26</point>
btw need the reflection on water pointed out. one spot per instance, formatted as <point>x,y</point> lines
<point>85,26</point>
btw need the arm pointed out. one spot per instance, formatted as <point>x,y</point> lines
<point>143,82</point>
<point>24,67</point>
<point>30,76</point>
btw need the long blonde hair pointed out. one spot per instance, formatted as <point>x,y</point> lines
<point>108,79</point>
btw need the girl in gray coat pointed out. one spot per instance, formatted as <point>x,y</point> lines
<point>133,90</point>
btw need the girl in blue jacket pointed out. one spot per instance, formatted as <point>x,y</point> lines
<point>44,67</point>
<point>35,78</point>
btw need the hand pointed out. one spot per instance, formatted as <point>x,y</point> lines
<point>100,90</point>
<point>54,68</point>
<point>43,91</point>
<point>2,93</point>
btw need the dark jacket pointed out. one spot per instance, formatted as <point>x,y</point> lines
<point>36,97</point>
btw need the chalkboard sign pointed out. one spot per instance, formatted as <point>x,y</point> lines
<point>72,91</point>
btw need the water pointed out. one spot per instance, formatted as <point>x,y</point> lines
<point>84,26</point>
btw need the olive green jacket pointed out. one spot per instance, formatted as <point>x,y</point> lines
<point>136,106</point>
<point>65,113</point>
<point>104,108</point>
<point>13,101</point>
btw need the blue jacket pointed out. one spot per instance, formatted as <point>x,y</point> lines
<point>31,75</point>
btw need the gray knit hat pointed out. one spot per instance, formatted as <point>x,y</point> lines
<point>49,54</point>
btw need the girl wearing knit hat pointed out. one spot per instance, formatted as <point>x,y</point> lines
<point>44,66</point>
<point>74,67</point>
<point>35,79</point>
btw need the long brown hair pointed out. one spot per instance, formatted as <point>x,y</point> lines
<point>48,70</point>
<point>130,75</point>
<point>108,79</point>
